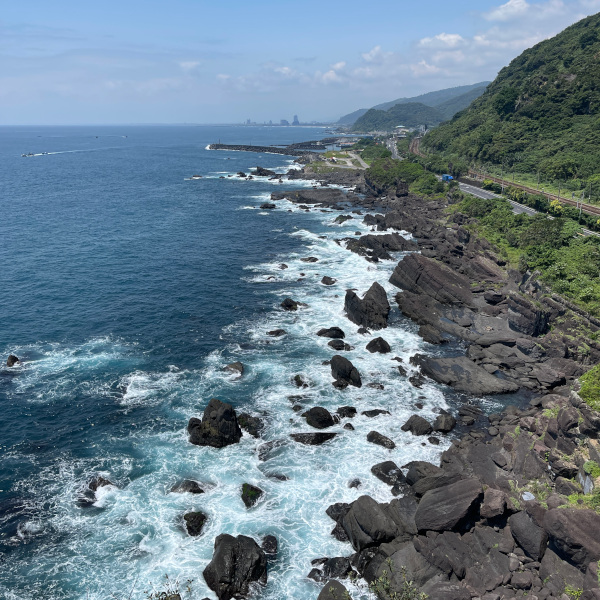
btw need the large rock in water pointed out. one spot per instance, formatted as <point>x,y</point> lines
<point>218,427</point>
<point>344,372</point>
<point>417,425</point>
<point>12,360</point>
<point>444,508</point>
<point>318,417</point>
<point>463,375</point>
<point>368,524</point>
<point>574,533</point>
<point>420,275</point>
<point>372,311</point>
<point>236,563</point>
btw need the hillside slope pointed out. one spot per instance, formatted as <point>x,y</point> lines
<point>410,114</point>
<point>433,99</point>
<point>542,112</point>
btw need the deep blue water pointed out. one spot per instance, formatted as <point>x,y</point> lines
<point>126,287</point>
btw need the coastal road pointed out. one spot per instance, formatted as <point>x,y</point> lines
<point>517,208</point>
<point>393,148</point>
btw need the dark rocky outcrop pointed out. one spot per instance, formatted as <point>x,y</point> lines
<point>328,280</point>
<point>417,425</point>
<point>530,536</point>
<point>372,311</point>
<point>367,524</point>
<point>444,423</point>
<point>291,305</point>
<point>236,368</point>
<point>270,545</point>
<point>194,522</point>
<point>344,372</point>
<point>378,344</point>
<point>187,486</point>
<point>277,332</point>
<point>250,424</point>
<point>267,206</point>
<point>251,494</point>
<point>312,439</point>
<point>389,472</point>
<point>381,440</point>
<point>12,360</point>
<point>218,427</point>
<point>332,332</point>
<point>237,562</point>
<point>261,172</point>
<point>332,590</point>
<point>378,247</point>
<point>318,417</point>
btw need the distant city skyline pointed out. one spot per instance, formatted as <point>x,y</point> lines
<point>199,62</point>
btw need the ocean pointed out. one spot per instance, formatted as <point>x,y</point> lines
<point>126,288</point>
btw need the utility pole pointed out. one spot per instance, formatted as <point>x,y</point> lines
<point>559,190</point>
<point>538,183</point>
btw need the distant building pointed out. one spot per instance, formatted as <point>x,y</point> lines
<point>284,123</point>
<point>248,122</point>
<point>296,122</point>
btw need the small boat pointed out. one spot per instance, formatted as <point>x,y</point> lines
<point>28,154</point>
<point>196,177</point>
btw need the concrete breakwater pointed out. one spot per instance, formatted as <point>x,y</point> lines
<point>287,151</point>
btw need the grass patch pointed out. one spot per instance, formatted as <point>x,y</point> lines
<point>590,387</point>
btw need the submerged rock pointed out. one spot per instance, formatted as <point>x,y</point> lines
<point>235,367</point>
<point>328,280</point>
<point>332,332</point>
<point>187,486</point>
<point>236,563</point>
<point>277,332</point>
<point>251,494</point>
<point>312,439</point>
<point>218,427</point>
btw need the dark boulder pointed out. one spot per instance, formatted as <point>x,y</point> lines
<point>378,345</point>
<point>557,574</point>
<point>291,305</point>
<point>277,332</point>
<point>319,417</point>
<point>333,332</point>
<point>270,545</point>
<point>194,522</point>
<point>419,469</point>
<point>444,423</point>
<point>187,486</point>
<point>328,280</point>
<point>87,495</point>
<point>434,481</point>
<point>463,375</point>
<point>236,563</point>
<point>333,590</point>
<point>253,425</point>
<point>12,360</point>
<point>267,206</point>
<point>389,472</point>
<point>260,172</point>
<point>532,538</point>
<point>372,311</point>
<point>312,439</point>
<point>375,412</point>
<point>417,425</point>
<point>368,524</point>
<point>381,440</point>
<point>346,412</point>
<point>344,371</point>
<point>236,367</point>
<point>443,509</point>
<point>251,494</point>
<point>218,428</point>
<point>339,345</point>
<point>338,567</point>
<point>574,534</point>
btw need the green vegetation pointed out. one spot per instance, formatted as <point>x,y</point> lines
<point>386,173</point>
<point>541,114</point>
<point>592,468</point>
<point>382,587</point>
<point>569,264</point>
<point>371,150</point>
<point>590,387</point>
<point>573,593</point>
<point>411,114</point>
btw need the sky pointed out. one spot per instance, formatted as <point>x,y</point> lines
<point>193,61</point>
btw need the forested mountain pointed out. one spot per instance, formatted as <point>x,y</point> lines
<point>433,99</point>
<point>542,111</point>
<point>410,114</point>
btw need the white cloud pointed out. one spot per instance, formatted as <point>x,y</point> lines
<point>450,40</point>
<point>189,65</point>
<point>510,10</point>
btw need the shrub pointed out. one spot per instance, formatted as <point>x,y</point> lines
<point>590,388</point>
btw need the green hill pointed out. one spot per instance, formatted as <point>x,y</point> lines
<point>541,113</point>
<point>434,99</point>
<point>411,114</point>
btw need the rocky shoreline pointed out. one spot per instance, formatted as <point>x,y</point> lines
<point>493,520</point>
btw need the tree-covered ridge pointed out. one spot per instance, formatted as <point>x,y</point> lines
<point>542,111</point>
<point>411,114</point>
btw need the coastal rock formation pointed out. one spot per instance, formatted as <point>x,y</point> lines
<point>12,360</point>
<point>312,439</point>
<point>236,368</point>
<point>318,417</point>
<point>378,247</point>
<point>218,427</point>
<point>187,486</point>
<point>261,172</point>
<point>344,372</point>
<point>250,424</point>
<point>381,440</point>
<point>378,344</point>
<point>417,425</point>
<point>372,311</point>
<point>291,305</point>
<point>251,494</point>
<point>332,332</point>
<point>194,522</point>
<point>236,563</point>
<point>332,590</point>
<point>328,280</point>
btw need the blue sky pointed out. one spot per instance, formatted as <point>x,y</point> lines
<point>64,62</point>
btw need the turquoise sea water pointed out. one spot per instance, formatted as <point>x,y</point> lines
<point>126,288</point>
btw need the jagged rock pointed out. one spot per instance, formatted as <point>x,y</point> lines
<point>417,425</point>
<point>270,545</point>
<point>332,332</point>
<point>218,428</point>
<point>378,344</point>
<point>494,297</point>
<point>557,574</point>
<point>346,412</point>
<point>431,335</point>
<point>319,417</point>
<point>328,280</point>
<point>338,567</point>
<point>389,472</point>
<point>368,524</point>
<point>494,503</point>
<point>12,360</point>
<point>372,311</point>
<point>237,562</point>
<point>251,494</point>
<point>526,317</point>
<point>344,371</point>
<point>377,438</point>
<point>463,375</point>
<point>253,425</point>
<point>378,247</point>
<point>374,413</point>
<point>235,367</point>
<point>444,423</point>
<point>575,534</point>
<point>300,380</point>
<point>291,305</point>
<point>310,259</point>
<point>267,206</point>
<point>87,496</point>
<point>187,486</point>
<point>261,172</point>
<point>532,538</point>
<point>312,439</point>
<point>420,275</point>
<point>277,332</point>
<point>332,590</point>
<point>443,509</point>
<point>432,482</point>
<point>194,522</point>
<point>419,469</point>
